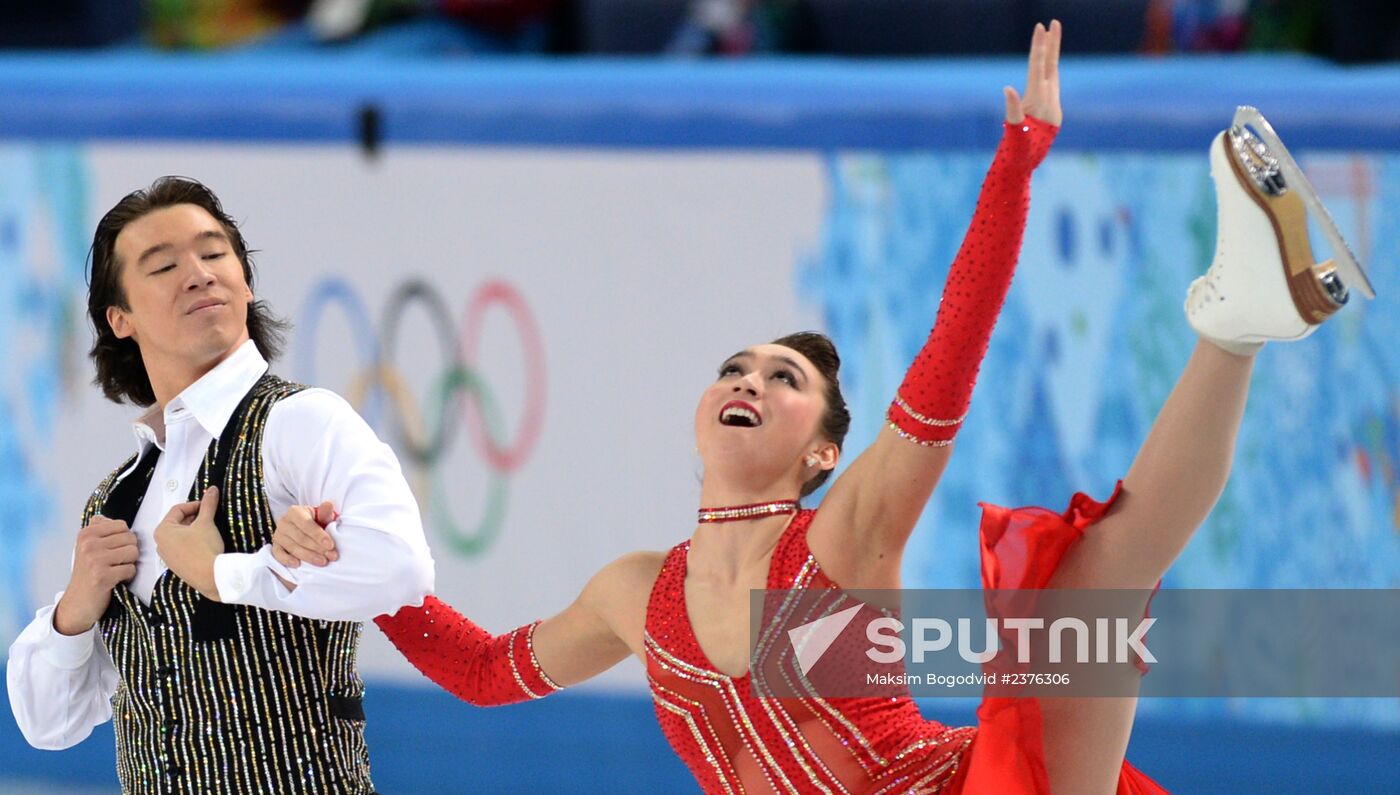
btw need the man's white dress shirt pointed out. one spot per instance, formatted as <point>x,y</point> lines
<point>315,448</point>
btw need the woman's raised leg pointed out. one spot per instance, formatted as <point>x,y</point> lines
<point>1263,285</point>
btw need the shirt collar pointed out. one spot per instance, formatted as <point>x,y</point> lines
<point>210,400</point>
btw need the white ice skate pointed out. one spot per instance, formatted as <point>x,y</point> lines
<point>1264,283</point>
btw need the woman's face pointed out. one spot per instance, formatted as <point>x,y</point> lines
<point>763,413</point>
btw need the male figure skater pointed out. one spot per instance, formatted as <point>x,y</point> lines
<point>223,671</point>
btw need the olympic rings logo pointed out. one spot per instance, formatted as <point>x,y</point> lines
<point>458,396</point>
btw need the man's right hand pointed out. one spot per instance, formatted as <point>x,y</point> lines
<point>104,557</point>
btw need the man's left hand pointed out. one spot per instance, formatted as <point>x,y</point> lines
<point>188,542</point>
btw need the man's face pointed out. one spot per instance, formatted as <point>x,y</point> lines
<point>184,285</point>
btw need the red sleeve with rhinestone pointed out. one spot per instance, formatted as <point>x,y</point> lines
<point>466,660</point>
<point>932,402</point>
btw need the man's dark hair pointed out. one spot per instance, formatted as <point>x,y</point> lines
<point>120,370</point>
<point>836,421</point>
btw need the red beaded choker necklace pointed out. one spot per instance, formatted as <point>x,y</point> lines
<point>739,512</point>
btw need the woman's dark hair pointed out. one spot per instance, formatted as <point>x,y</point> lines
<point>820,351</point>
<point>121,373</point>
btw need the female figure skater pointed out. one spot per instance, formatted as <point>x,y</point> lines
<point>770,430</point>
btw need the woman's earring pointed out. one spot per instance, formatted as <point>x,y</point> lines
<point>811,460</point>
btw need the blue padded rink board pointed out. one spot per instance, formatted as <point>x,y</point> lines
<point>1114,104</point>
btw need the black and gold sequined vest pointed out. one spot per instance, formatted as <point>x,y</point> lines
<point>229,698</point>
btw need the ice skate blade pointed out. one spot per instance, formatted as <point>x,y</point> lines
<point>1274,173</point>
<point>1313,298</point>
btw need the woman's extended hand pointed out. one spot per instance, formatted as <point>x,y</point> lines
<point>1042,98</point>
<point>301,536</point>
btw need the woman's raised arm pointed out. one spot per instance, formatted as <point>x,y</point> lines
<point>866,519</point>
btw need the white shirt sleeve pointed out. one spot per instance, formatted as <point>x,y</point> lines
<point>315,448</point>
<point>60,685</point>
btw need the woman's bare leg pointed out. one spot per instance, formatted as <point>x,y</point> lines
<point>1178,475</point>
<point>1263,285</point>
<point>1175,481</point>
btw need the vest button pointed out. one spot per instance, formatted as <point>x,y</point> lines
<point>174,769</point>
<point>166,671</point>
<point>157,620</point>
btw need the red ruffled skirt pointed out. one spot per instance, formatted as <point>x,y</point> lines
<point>1021,548</point>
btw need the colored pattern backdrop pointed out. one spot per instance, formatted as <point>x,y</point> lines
<point>43,241</point>
<point>1090,343</point>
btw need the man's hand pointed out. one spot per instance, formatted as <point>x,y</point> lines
<point>188,541</point>
<point>1042,80</point>
<point>104,556</point>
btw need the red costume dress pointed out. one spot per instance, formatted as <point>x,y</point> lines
<point>736,742</point>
